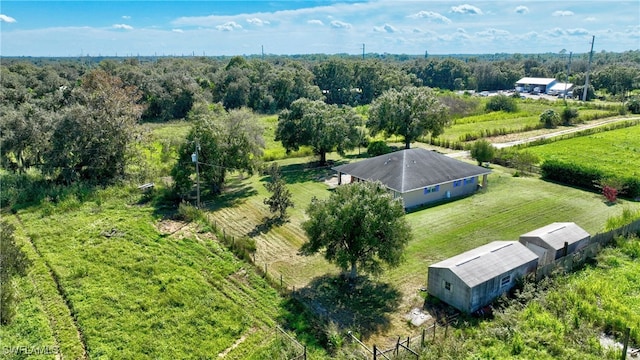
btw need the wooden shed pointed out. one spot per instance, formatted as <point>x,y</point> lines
<point>548,242</point>
<point>472,280</point>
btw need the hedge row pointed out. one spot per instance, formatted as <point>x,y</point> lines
<point>585,177</point>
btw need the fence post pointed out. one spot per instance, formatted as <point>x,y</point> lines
<point>375,352</point>
<point>626,343</point>
<point>408,342</point>
<point>434,331</point>
<point>305,352</point>
<point>422,340</point>
<point>280,281</point>
<point>397,345</point>
<point>446,329</point>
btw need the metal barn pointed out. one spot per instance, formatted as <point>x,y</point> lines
<point>548,242</point>
<point>472,280</point>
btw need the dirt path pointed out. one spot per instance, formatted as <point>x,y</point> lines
<point>498,144</point>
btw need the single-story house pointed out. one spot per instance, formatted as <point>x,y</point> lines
<point>472,280</point>
<point>417,175</point>
<point>548,242</point>
<point>532,84</point>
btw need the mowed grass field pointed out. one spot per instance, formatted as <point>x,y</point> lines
<point>616,152</point>
<point>137,285</point>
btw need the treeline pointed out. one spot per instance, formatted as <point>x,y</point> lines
<point>75,119</point>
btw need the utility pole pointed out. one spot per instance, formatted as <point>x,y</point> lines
<point>194,158</point>
<point>564,96</point>
<point>363,51</point>
<point>586,81</point>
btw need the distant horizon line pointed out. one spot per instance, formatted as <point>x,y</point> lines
<point>193,54</point>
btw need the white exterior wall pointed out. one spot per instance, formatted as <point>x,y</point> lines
<point>440,192</point>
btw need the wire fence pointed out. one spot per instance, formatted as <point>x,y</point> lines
<point>595,244</point>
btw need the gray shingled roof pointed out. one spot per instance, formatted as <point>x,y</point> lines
<point>411,169</point>
<point>555,234</point>
<point>486,262</point>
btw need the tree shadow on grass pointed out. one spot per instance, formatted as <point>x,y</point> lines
<point>300,173</point>
<point>362,305</point>
<point>266,225</point>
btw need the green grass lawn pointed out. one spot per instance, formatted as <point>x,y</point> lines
<point>616,151</point>
<point>136,291</point>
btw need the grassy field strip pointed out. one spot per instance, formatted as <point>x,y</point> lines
<point>615,151</point>
<point>138,293</point>
<point>49,322</point>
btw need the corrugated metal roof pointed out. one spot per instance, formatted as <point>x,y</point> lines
<point>535,81</point>
<point>411,169</point>
<point>560,87</point>
<point>557,233</point>
<point>486,262</point>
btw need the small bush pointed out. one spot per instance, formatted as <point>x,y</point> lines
<point>377,148</point>
<point>550,118</point>
<point>634,105</point>
<point>502,103</point>
<point>569,115</point>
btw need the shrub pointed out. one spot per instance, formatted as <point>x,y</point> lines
<point>634,105</point>
<point>571,174</point>
<point>376,148</point>
<point>482,151</point>
<point>550,118</point>
<point>569,115</point>
<point>502,102</point>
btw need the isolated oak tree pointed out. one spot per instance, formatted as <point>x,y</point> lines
<point>360,226</point>
<point>411,113</point>
<point>323,127</point>
<point>228,141</point>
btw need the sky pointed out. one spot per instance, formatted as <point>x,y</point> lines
<point>242,27</point>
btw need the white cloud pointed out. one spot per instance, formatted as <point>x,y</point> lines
<point>522,10</point>
<point>229,26</point>
<point>466,9</point>
<point>590,18</point>
<point>564,32</point>
<point>5,18</point>
<point>177,30</point>
<point>633,32</point>
<point>562,13</point>
<point>257,21</point>
<point>386,28</point>
<point>431,16</point>
<point>126,17</point>
<point>122,26</point>
<point>315,22</point>
<point>493,33</point>
<point>336,24</point>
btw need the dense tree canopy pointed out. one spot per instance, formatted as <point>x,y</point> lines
<point>410,113</point>
<point>225,142</point>
<point>93,136</point>
<point>360,226</point>
<point>323,127</point>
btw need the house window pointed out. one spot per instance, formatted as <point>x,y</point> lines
<point>431,189</point>
<point>469,181</point>
<point>457,183</point>
<point>505,281</point>
<point>447,286</point>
